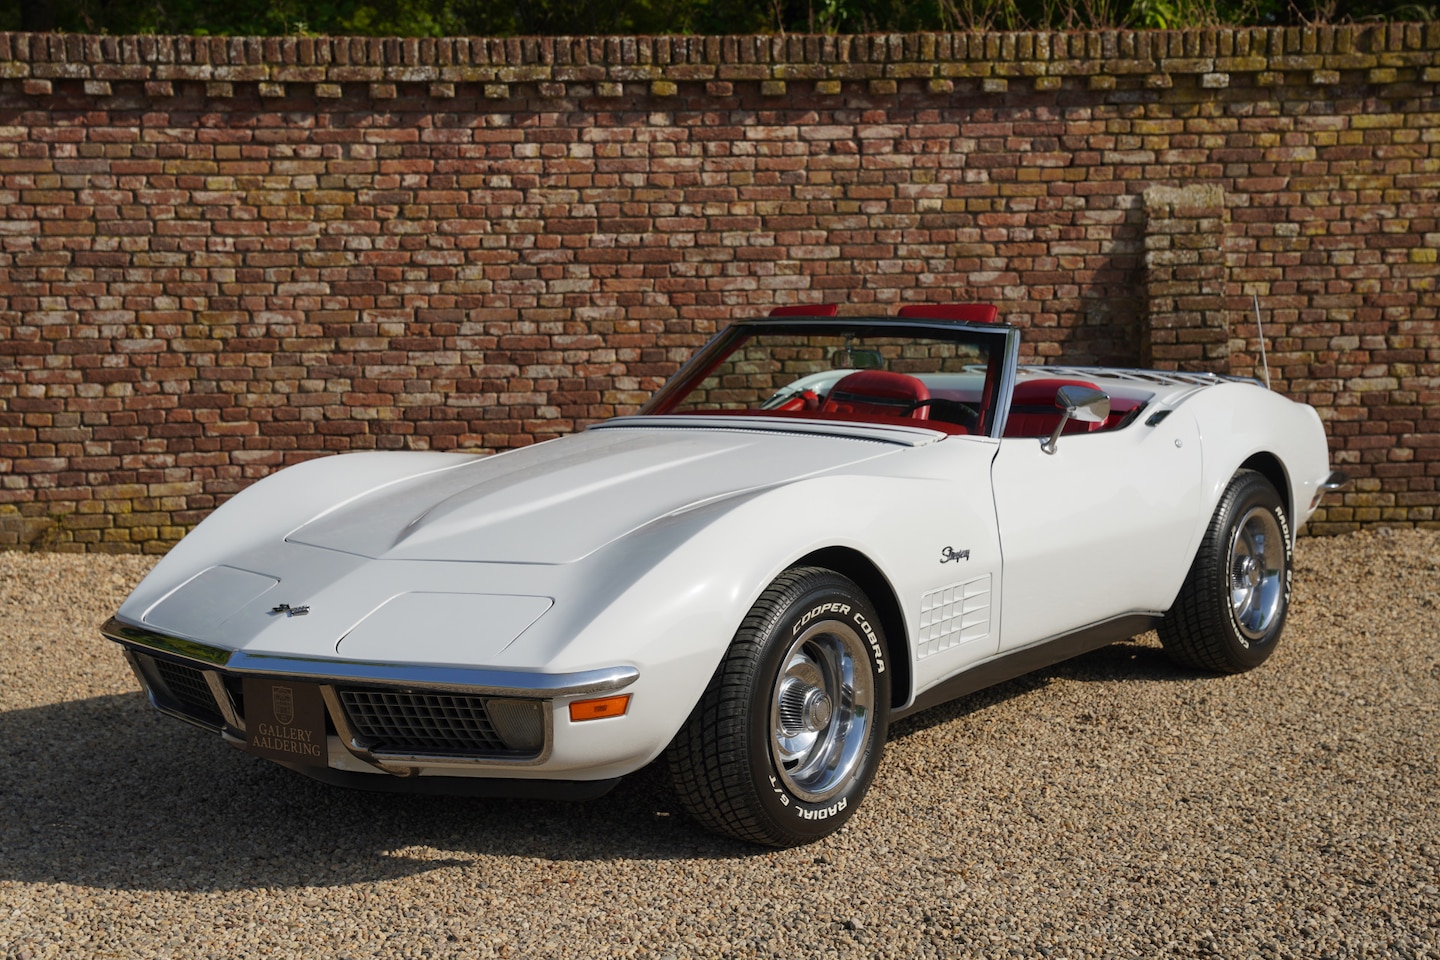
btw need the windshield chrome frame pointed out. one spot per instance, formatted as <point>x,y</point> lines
<point>1004,343</point>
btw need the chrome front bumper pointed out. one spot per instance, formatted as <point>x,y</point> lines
<point>203,685</point>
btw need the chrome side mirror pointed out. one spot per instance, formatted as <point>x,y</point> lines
<point>1078,403</point>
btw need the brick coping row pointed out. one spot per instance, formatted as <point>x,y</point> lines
<point>779,57</point>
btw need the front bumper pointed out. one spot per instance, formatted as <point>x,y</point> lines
<point>406,720</point>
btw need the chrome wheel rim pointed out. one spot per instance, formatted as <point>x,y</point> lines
<point>1257,572</point>
<point>821,711</point>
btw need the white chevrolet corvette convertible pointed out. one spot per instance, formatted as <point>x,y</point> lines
<point>820,524</point>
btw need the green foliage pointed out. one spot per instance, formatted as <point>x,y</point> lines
<point>592,17</point>
<point>1155,14</point>
<point>390,17</point>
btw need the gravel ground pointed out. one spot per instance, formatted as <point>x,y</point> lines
<point>1113,806</point>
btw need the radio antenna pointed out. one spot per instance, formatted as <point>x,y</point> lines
<point>1261,330</point>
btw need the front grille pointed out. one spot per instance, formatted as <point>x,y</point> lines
<point>428,723</point>
<point>186,685</point>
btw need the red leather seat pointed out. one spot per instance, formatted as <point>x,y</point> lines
<point>1033,412</point>
<point>878,393</point>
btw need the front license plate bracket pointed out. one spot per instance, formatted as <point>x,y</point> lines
<point>285,720</point>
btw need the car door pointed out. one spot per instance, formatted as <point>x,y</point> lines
<point>1100,528</point>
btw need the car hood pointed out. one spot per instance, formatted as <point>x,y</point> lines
<point>560,501</point>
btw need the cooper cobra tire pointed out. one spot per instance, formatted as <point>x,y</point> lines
<point>1232,607</point>
<point>786,738</point>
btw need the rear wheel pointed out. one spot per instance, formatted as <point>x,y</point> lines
<point>1231,610</point>
<point>786,739</point>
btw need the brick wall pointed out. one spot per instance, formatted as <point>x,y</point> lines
<point>221,256</point>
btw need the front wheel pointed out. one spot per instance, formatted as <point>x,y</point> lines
<point>786,739</point>
<point>1232,607</point>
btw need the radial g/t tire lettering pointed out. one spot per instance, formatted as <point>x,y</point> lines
<point>786,738</point>
<point>1231,610</point>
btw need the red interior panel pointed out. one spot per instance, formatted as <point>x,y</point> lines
<point>804,400</point>
<point>1120,408</point>
<point>954,429</point>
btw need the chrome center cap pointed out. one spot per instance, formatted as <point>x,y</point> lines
<point>818,710</point>
<point>1247,571</point>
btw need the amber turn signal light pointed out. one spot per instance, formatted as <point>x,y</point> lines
<point>603,707</point>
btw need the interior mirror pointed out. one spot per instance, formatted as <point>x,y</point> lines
<point>855,359</point>
<point>1078,403</point>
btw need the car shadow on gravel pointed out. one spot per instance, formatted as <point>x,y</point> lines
<point>1127,661</point>
<point>104,792</point>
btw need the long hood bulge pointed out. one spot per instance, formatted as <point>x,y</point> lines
<point>560,501</point>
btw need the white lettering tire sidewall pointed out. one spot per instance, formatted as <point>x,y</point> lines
<point>789,811</point>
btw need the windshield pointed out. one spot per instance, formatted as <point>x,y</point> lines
<point>941,376</point>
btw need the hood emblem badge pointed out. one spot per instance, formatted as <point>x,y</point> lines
<point>949,553</point>
<point>290,611</point>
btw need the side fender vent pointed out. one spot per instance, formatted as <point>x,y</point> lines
<point>953,615</point>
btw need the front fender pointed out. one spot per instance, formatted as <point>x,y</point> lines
<point>704,569</point>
